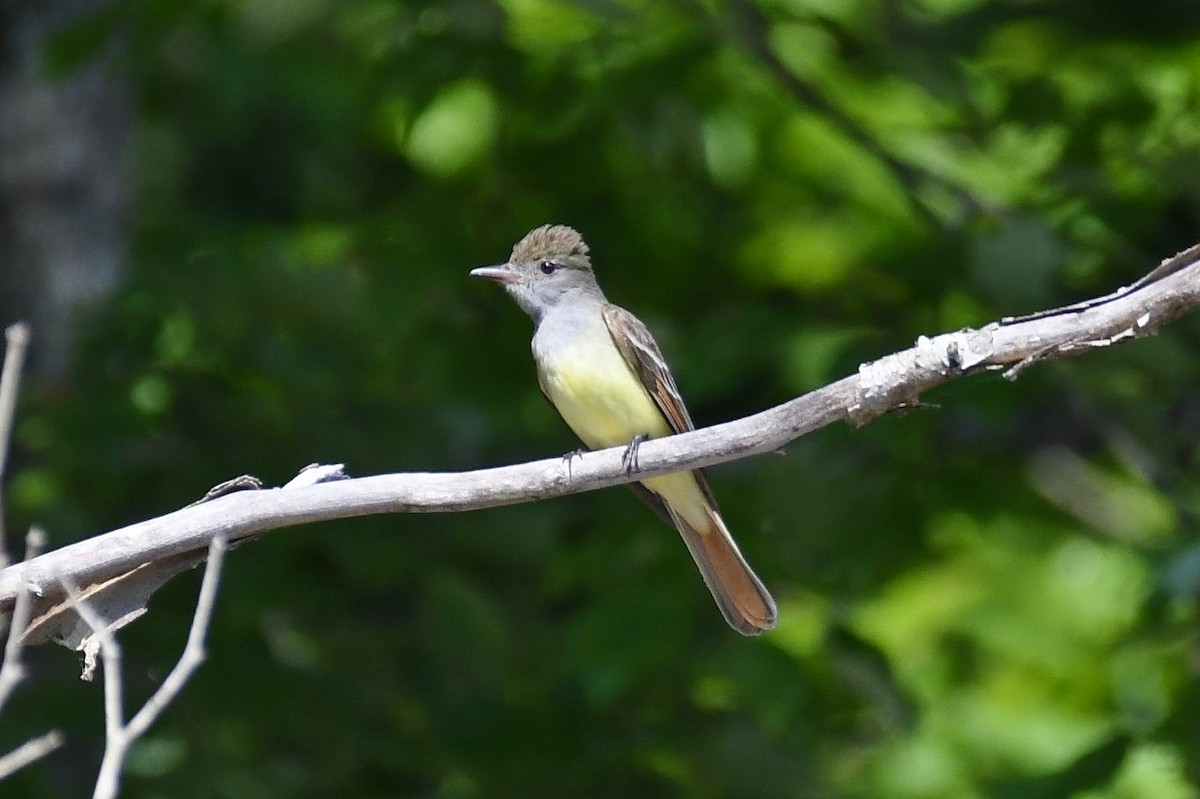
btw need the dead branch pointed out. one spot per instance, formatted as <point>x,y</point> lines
<point>32,750</point>
<point>895,381</point>
<point>119,735</point>
<point>12,670</point>
<point>17,337</point>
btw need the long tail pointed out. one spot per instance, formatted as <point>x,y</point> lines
<point>741,596</point>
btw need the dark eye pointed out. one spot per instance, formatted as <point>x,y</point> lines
<point>548,267</point>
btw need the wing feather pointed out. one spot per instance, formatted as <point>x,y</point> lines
<point>641,352</point>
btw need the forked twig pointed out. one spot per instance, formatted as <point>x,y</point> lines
<point>119,735</point>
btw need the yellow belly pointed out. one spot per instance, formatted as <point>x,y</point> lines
<point>599,396</point>
<point>605,404</point>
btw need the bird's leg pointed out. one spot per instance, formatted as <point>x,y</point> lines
<point>629,459</point>
<point>570,456</point>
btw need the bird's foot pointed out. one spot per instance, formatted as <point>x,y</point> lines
<point>570,456</point>
<point>629,459</point>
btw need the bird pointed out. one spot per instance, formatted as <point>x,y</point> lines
<point>604,373</point>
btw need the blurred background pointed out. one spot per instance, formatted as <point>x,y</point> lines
<point>241,230</point>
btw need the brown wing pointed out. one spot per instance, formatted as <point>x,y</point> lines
<point>646,360</point>
<point>744,601</point>
<point>643,356</point>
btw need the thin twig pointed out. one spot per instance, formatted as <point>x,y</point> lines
<point>17,337</point>
<point>12,670</point>
<point>193,652</point>
<point>28,752</point>
<point>118,735</point>
<point>110,653</point>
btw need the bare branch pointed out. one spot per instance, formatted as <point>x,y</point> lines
<point>119,736</point>
<point>12,671</point>
<point>193,652</point>
<point>28,752</point>
<point>110,650</point>
<point>17,337</point>
<point>894,381</point>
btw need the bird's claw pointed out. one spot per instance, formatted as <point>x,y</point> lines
<point>570,456</point>
<point>629,458</point>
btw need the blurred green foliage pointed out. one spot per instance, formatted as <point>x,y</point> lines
<point>996,598</point>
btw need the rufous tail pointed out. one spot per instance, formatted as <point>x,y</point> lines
<point>741,596</point>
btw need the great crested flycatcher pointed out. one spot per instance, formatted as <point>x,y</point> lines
<point>600,368</point>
